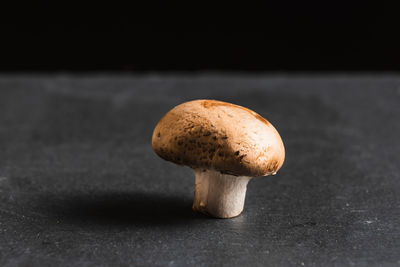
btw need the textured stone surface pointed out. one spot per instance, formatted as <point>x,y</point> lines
<point>81,186</point>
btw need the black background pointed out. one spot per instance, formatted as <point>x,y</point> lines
<point>177,36</point>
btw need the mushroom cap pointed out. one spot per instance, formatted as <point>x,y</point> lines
<point>210,134</point>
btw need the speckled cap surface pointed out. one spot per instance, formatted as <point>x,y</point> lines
<point>210,134</point>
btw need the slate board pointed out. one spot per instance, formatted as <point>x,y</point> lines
<point>81,186</point>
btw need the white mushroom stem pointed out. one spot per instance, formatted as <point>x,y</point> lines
<point>219,195</point>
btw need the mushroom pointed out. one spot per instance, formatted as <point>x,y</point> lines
<point>225,144</point>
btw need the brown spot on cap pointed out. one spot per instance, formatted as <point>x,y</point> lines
<point>214,103</point>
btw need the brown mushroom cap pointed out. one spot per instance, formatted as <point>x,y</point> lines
<point>210,134</point>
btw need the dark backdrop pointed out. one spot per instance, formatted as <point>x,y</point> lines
<point>160,36</point>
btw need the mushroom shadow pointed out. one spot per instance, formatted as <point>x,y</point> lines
<point>119,208</point>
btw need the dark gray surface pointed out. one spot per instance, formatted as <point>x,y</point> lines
<point>81,186</point>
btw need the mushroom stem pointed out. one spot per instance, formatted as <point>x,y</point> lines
<point>219,195</point>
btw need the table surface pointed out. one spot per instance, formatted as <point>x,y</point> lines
<point>81,186</point>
